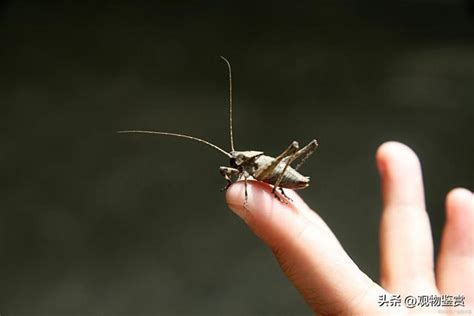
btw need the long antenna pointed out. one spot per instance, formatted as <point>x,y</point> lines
<point>179,135</point>
<point>230,103</point>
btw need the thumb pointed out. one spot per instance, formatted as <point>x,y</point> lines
<point>306,250</point>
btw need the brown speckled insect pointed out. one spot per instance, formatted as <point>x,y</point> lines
<point>249,163</point>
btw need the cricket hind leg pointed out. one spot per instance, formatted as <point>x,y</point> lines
<point>306,151</point>
<point>288,155</point>
<point>263,174</point>
<point>289,160</point>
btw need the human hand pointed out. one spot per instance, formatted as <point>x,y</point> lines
<point>330,282</point>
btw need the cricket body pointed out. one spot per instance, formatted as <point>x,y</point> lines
<point>249,163</point>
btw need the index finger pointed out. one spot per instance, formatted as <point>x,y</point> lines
<point>306,250</point>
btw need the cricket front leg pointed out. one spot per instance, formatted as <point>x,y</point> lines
<point>245,175</point>
<point>227,173</point>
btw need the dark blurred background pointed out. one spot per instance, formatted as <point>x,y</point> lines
<point>92,222</point>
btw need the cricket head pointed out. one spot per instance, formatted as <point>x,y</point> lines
<point>239,158</point>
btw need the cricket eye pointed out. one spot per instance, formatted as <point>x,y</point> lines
<point>239,159</point>
<point>232,163</point>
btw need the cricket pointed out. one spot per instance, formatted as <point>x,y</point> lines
<point>245,164</point>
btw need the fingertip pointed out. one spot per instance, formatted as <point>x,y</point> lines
<point>233,196</point>
<point>459,196</point>
<point>459,203</point>
<point>393,155</point>
<point>259,198</point>
<point>401,176</point>
<point>265,214</point>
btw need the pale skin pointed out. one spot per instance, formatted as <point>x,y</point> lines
<point>330,282</point>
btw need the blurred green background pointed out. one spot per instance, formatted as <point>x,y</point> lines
<point>92,222</point>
